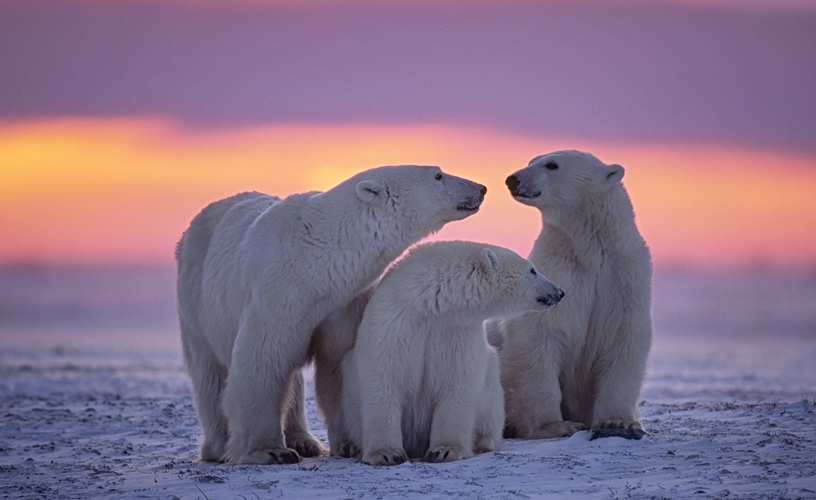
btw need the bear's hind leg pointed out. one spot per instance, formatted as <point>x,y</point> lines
<point>207,377</point>
<point>297,432</point>
<point>533,406</point>
<point>330,391</point>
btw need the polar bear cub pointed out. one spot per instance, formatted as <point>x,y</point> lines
<point>422,379</point>
<point>583,363</point>
<point>257,276</point>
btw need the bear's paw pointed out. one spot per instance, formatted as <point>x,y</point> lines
<point>347,449</point>
<point>446,453</point>
<point>307,446</point>
<point>264,457</point>
<point>391,456</point>
<point>211,452</point>
<point>618,423</point>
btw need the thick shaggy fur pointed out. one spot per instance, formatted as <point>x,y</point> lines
<point>583,363</point>
<point>422,380</point>
<point>258,277</point>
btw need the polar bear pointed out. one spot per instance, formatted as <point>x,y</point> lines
<point>583,363</point>
<point>421,379</point>
<point>257,276</point>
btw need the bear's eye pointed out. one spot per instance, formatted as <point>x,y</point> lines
<point>438,176</point>
<point>532,271</point>
<point>551,166</point>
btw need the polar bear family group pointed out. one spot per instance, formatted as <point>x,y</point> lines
<point>440,357</point>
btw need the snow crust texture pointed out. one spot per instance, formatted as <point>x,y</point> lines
<point>76,428</point>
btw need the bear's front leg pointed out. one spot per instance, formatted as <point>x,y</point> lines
<point>620,376</point>
<point>382,430</point>
<point>454,418</point>
<point>490,410</point>
<point>381,417</point>
<point>264,359</point>
<point>256,434</point>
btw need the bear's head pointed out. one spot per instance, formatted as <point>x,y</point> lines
<point>420,196</point>
<point>517,285</point>
<point>467,281</point>
<point>563,180</point>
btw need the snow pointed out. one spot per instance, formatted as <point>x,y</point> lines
<point>103,412</point>
<point>108,425</point>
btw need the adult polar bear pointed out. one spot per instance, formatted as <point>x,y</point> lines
<point>256,277</point>
<point>582,363</point>
<point>423,380</point>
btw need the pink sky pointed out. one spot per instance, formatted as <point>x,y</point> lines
<point>120,120</point>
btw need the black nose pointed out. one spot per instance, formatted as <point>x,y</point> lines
<point>484,190</point>
<point>560,294</point>
<point>512,182</point>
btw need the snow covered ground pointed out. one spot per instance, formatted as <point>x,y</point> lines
<point>103,411</point>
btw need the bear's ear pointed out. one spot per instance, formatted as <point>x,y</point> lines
<point>614,173</point>
<point>372,191</point>
<point>489,260</point>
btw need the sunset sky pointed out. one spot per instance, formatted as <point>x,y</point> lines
<point>120,120</point>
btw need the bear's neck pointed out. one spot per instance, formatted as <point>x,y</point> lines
<point>600,225</point>
<point>363,241</point>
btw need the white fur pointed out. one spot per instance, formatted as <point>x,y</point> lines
<point>259,275</point>
<point>422,379</point>
<point>581,364</point>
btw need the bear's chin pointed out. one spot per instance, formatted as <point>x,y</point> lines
<point>468,209</point>
<point>525,198</point>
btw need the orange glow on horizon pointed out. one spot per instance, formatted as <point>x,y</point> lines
<point>123,190</point>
